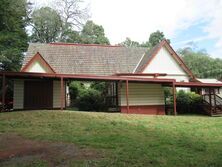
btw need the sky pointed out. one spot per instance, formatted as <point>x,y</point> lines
<point>196,23</point>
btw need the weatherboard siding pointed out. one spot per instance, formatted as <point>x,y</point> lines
<point>57,94</point>
<point>142,94</point>
<point>18,96</point>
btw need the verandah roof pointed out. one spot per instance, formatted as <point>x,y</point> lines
<point>108,78</point>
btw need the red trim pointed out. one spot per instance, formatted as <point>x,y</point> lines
<point>179,60</point>
<point>76,44</point>
<point>141,74</point>
<point>196,84</point>
<point>62,93</point>
<point>85,77</point>
<point>174,100</point>
<point>174,54</point>
<point>37,57</point>
<point>145,109</point>
<point>108,78</point>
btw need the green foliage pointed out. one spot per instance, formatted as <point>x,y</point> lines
<point>90,100</point>
<point>13,37</point>
<point>156,37</point>
<point>46,24</point>
<point>129,43</point>
<point>167,91</point>
<point>93,34</point>
<point>75,88</point>
<point>201,64</point>
<point>100,86</point>
<point>88,96</point>
<point>188,102</point>
<point>70,36</point>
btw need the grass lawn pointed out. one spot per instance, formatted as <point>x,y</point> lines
<point>121,139</point>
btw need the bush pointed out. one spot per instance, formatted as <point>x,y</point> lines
<point>188,102</point>
<point>88,96</point>
<point>91,100</point>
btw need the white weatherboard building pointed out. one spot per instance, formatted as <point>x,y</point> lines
<point>137,76</point>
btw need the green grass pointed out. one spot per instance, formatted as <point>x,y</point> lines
<point>127,140</point>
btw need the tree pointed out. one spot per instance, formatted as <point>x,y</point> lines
<point>13,37</point>
<point>71,36</point>
<point>73,14</point>
<point>46,25</point>
<point>93,34</point>
<point>156,37</point>
<point>201,64</point>
<point>129,43</point>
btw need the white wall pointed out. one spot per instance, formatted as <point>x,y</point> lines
<point>142,94</point>
<point>18,94</point>
<point>163,62</point>
<point>36,67</point>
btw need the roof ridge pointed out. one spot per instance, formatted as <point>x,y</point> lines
<point>78,44</point>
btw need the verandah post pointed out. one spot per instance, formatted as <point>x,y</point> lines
<point>215,103</point>
<point>127,96</point>
<point>210,100</point>
<point>174,100</point>
<point>62,93</point>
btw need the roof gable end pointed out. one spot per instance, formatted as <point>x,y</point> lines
<point>37,64</point>
<point>148,59</point>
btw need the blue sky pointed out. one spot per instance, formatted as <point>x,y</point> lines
<point>194,36</point>
<point>182,21</point>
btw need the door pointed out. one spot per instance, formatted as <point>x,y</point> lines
<point>38,94</point>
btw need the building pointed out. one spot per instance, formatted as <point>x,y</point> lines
<point>137,75</point>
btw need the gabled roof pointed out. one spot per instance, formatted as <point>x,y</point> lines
<point>149,56</point>
<point>92,59</point>
<point>87,59</point>
<point>37,58</point>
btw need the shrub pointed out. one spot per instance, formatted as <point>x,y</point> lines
<point>91,100</point>
<point>188,102</point>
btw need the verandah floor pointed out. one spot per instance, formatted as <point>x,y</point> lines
<point>111,139</point>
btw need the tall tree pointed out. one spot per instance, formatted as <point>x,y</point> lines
<point>73,13</point>
<point>154,38</point>
<point>46,25</point>
<point>201,64</point>
<point>13,37</point>
<point>93,34</point>
<point>129,43</point>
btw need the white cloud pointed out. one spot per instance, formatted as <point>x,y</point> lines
<point>214,28</point>
<point>138,18</point>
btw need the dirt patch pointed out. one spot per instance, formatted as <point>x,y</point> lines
<point>54,153</point>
